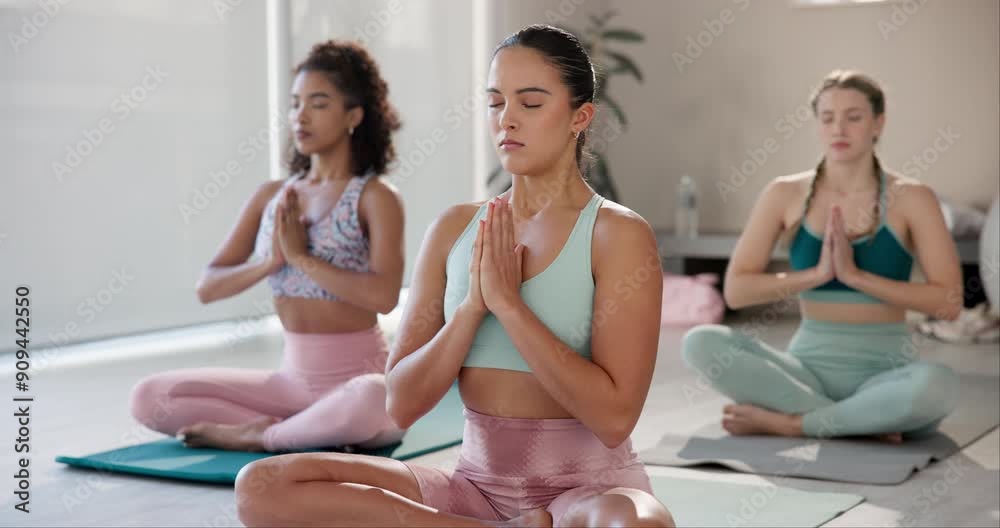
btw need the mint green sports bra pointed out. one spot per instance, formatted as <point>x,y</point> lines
<point>561,296</point>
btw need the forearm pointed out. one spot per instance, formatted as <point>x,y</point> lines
<point>940,301</point>
<point>419,380</point>
<point>372,291</point>
<point>748,289</point>
<point>220,282</point>
<point>580,386</point>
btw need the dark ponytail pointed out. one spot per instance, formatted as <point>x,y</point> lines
<point>564,51</point>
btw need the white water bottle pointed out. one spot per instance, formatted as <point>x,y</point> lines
<point>686,212</point>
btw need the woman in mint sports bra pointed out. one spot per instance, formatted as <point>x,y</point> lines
<point>329,241</point>
<point>853,232</point>
<point>544,302</point>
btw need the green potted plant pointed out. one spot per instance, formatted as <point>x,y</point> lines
<point>597,39</point>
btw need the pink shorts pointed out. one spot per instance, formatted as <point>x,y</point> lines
<point>508,465</point>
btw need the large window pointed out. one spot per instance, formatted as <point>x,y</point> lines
<point>126,140</point>
<point>134,131</point>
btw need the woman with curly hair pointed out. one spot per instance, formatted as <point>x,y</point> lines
<point>329,240</point>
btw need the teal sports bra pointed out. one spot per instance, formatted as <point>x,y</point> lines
<point>881,253</point>
<point>561,296</point>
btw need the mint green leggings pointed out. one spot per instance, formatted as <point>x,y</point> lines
<point>845,379</point>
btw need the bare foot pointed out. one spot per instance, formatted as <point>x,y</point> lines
<point>536,518</point>
<point>746,419</point>
<point>891,438</point>
<point>243,437</point>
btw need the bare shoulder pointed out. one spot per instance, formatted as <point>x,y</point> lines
<point>791,185</point>
<point>619,228</point>
<point>456,217</point>
<point>445,229</point>
<point>380,186</point>
<point>783,196</point>
<point>265,192</point>
<point>381,193</point>
<point>909,195</point>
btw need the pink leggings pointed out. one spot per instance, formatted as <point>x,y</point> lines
<point>508,465</point>
<point>329,391</point>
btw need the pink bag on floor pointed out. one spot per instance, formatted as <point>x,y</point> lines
<point>691,300</point>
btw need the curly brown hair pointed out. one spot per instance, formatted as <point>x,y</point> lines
<point>353,71</point>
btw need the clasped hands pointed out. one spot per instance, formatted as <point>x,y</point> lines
<point>836,259</point>
<point>289,241</point>
<point>495,269</point>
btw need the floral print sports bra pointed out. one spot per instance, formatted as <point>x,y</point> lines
<point>337,238</point>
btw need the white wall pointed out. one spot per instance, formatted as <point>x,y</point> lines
<point>939,70</point>
<point>118,210</point>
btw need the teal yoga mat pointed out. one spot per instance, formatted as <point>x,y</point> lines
<point>168,458</point>
<point>703,502</point>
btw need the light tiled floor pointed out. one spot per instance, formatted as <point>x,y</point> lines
<point>82,408</point>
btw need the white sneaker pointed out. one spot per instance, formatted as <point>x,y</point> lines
<point>975,325</point>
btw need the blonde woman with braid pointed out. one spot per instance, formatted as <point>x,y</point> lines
<point>853,231</point>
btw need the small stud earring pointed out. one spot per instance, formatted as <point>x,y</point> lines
<point>350,131</point>
<point>576,134</point>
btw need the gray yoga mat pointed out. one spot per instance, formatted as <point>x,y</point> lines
<point>702,502</point>
<point>840,459</point>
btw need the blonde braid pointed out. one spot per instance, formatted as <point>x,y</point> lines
<point>793,230</point>
<point>878,200</point>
